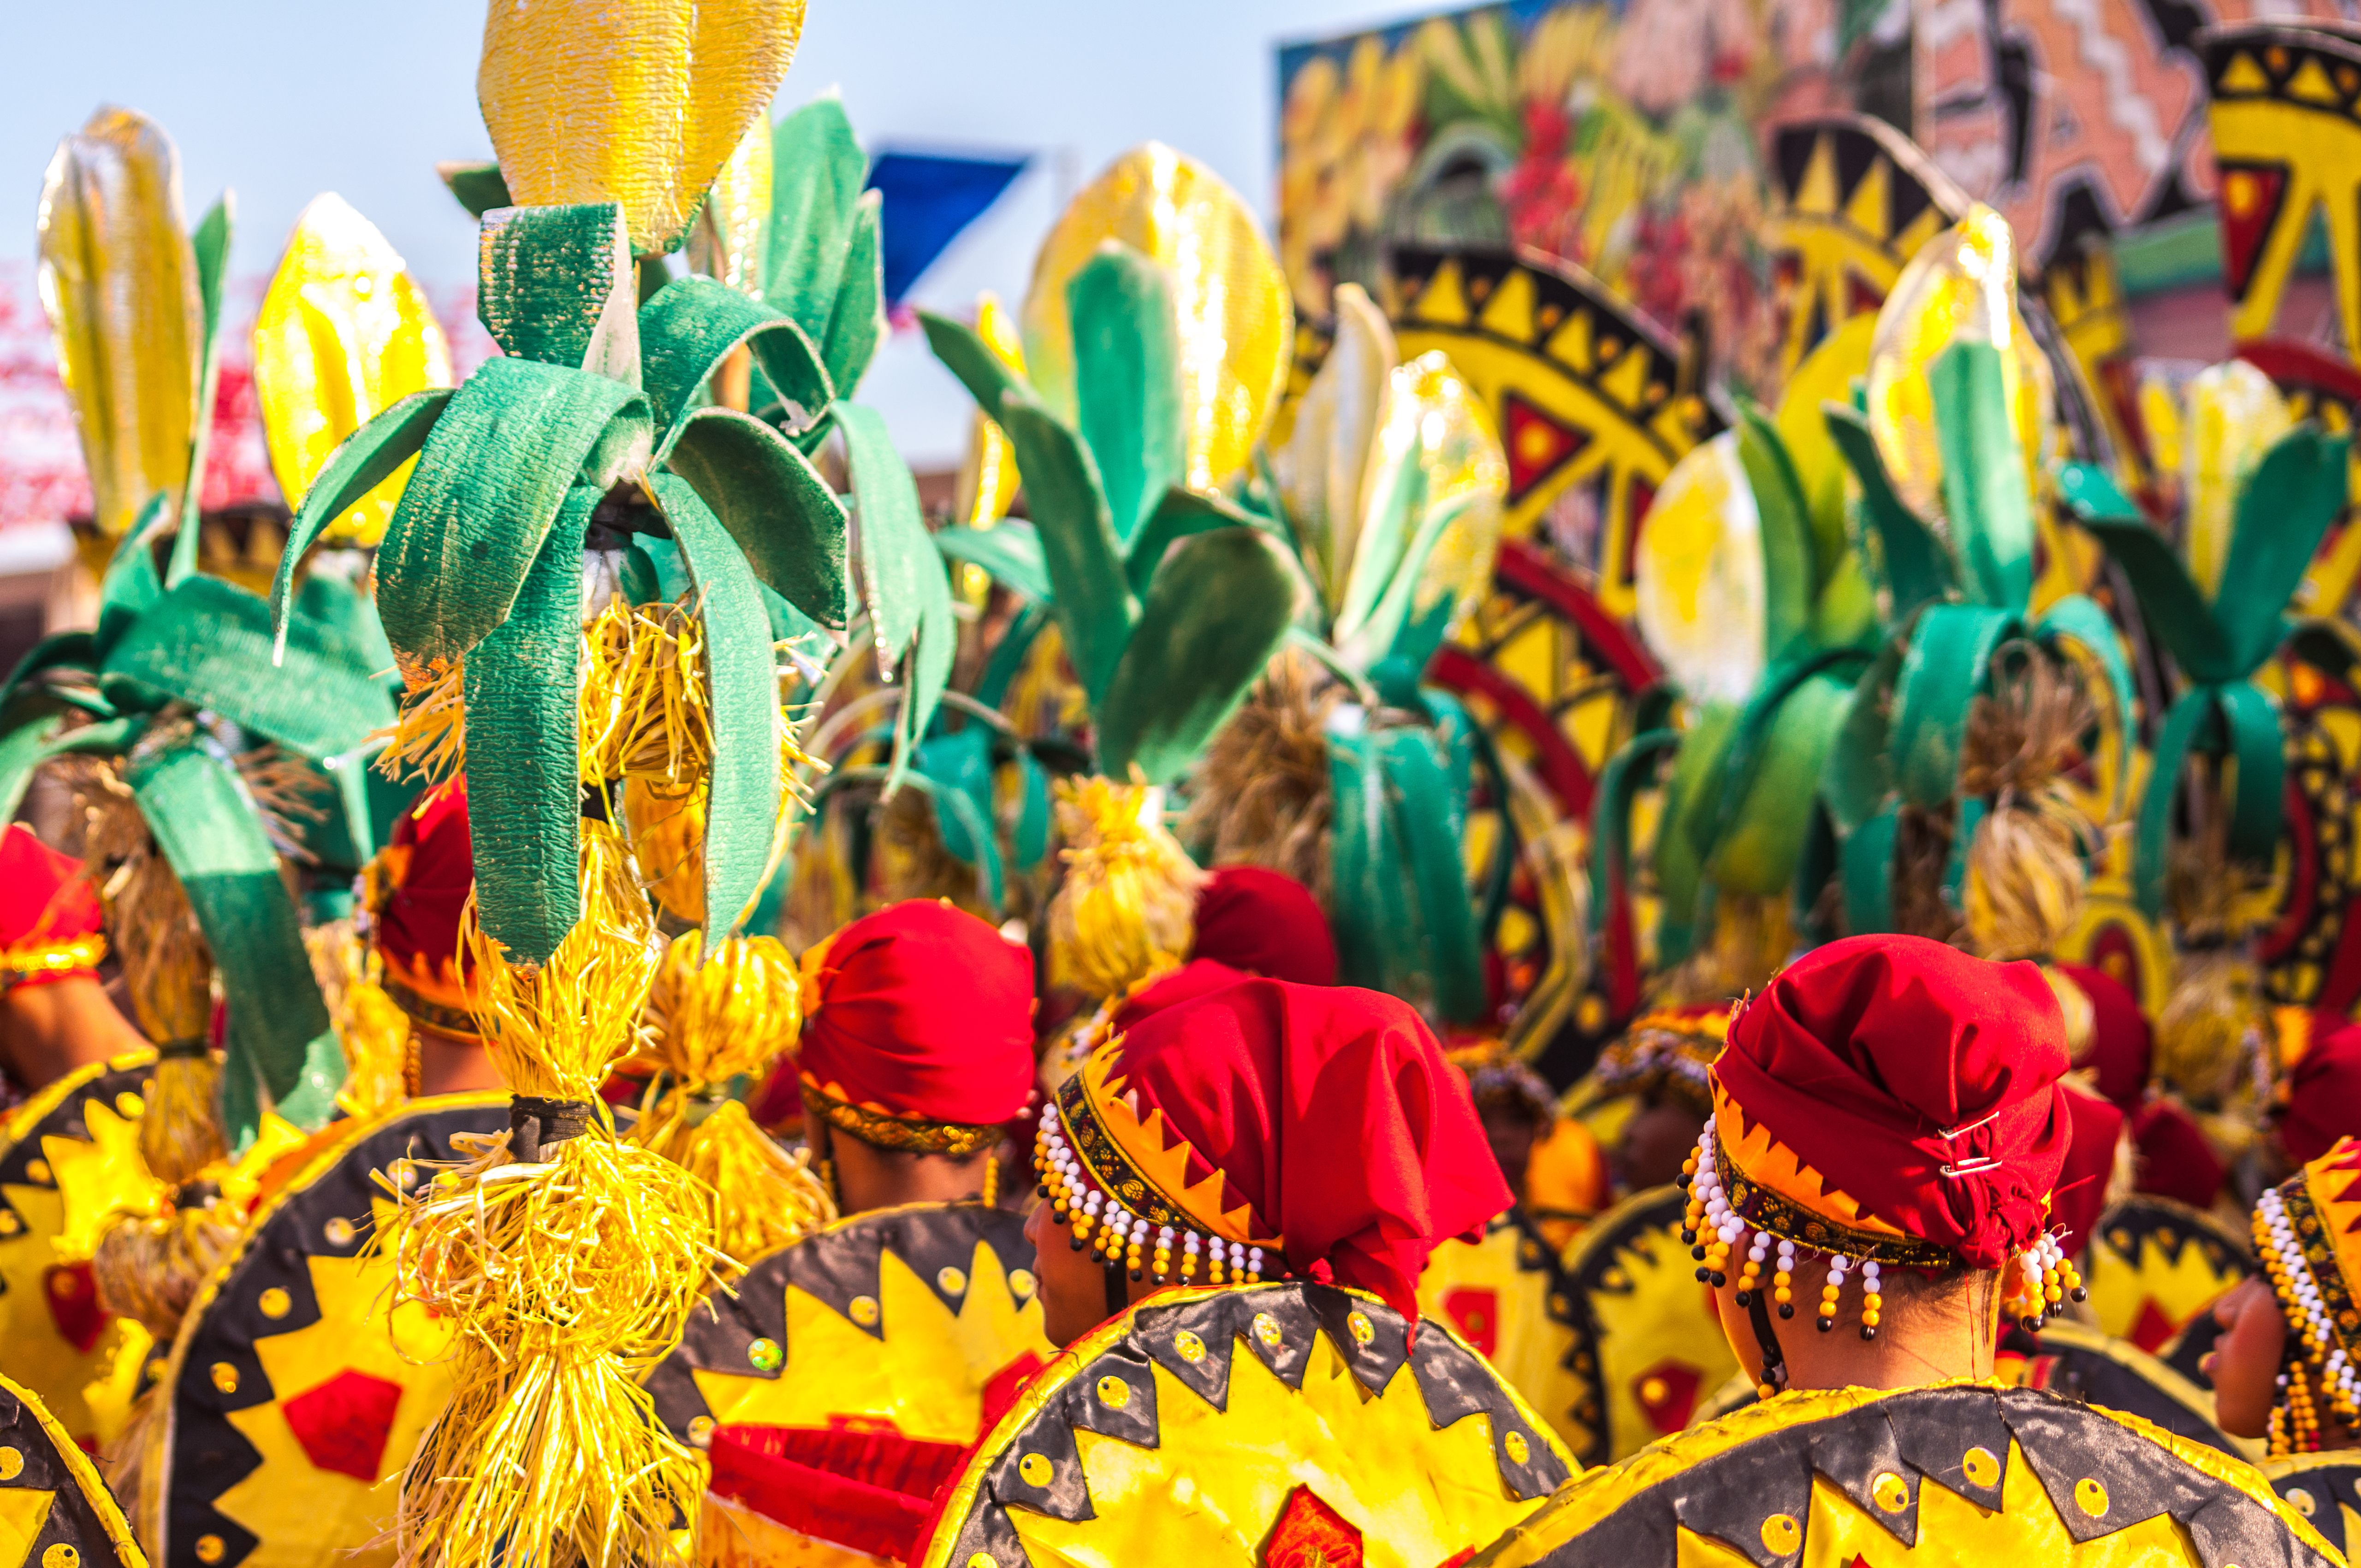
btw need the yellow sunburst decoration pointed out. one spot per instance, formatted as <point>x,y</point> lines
<point>342,333</point>
<point>636,102</point>
<point>1236,325</point>
<point>119,278</point>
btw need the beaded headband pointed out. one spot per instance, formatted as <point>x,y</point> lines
<point>2296,1226</point>
<point>38,960</point>
<point>1120,1181</point>
<point>1724,1202</point>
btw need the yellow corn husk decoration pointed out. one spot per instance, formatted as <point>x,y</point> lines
<point>429,740</point>
<point>148,1268</point>
<point>704,1025</point>
<point>2212,1021</point>
<point>166,967</point>
<point>563,1279</point>
<point>371,1027</point>
<point>2024,885</point>
<point>1128,906</point>
<point>1261,794</point>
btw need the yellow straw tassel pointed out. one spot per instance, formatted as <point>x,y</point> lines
<point>704,1025</point>
<point>562,1276</point>
<point>1128,906</point>
<point>429,740</point>
<point>369,1024</point>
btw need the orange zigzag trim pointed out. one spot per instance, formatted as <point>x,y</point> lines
<point>1770,1162</point>
<point>1161,1154</point>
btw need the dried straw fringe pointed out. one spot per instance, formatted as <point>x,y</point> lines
<point>167,967</point>
<point>1751,938</point>
<point>1128,904</point>
<point>562,1279</point>
<point>704,1025</point>
<point>1261,796</point>
<point>2213,1020</point>
<point>148,1268</point>
<point>372,1028</point>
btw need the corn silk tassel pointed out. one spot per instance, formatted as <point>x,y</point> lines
<point>1127,908</point>
<point>168,970</point>
<point>565,1261</point>
<point>2026,868</point>
<point>371,1025</point>
<point>2211,1027</point>
<point>704,1025</point>
<point>1261,795</point>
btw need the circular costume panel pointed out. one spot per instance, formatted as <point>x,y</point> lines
<point>298,1391</point>
<point>1509,1300</point>
<point>2326,1488</point>
<point>69,1155</point>
<point>2153,1266</point>
<point>1963,1473</point>
<point>2077,1362</point>
<point>1650,1345</point>
<point>922,1321</point>
<point>54,1509</point>
<point>1288,1424</point>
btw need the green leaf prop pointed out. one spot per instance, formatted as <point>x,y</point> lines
<point>1010,550</point>
<point>695,323</point>
<point>1096,610</point>
<point>1983,473</point>
<point>1128,382</point>
<point>789,524</point>
<point>1906,558</point>
<point>908,593</point>
<point>856,325</point>
<point>815,196</point>
<point>210,244</point>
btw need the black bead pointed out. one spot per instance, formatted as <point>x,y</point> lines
<point>1077,1244</point>
<point>1683,1180</point>
<point>1826,1324</point>
<point>1786,1309</point>
<point>1137,1275</point>
<point>1689,1236</point>
<point>1746,1298</point>
<point>1697,1252</point>
<point>1703,1275</point>
<point>1720,1279</point>
<point>2081,1294</point>
<point>1868,1333</point>
<point>1040,1191</point>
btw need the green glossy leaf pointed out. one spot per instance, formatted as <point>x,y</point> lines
<point>857,326</point>
<point>2171,601</point>
<point>524,769</point>
<point>1770,777</point>
<point>1127,384</point>
<point>1948,664</point>
<point>783,514</point>
<point>1214,615</point>
<point>966,355</point>
<point>1430,806</point>
<point>495,467</point>
<point>1985,495</point>
<point>907,591</point>
<point>2252,718</point>
<point>1369,908</point>
<point>695,323</point>
<point>363,461</point>
<point>2295,493</point>
<point>1912,564</point>
<point>1791,577</point>
<point>1010,550</point>
<point>198,812</point>
<point>2184,729</point>
<point>1096,610</point>
<point>1178,513</point>
<point>742,800</point>
<point>208,644</point>
<point>818,170</point>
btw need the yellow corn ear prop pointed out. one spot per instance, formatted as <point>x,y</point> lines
<point>1128,907</point>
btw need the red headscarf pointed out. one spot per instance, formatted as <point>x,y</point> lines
<point>1265,922</point>
<point>1879,1060</point>
<point>921,1013</point>
<point>1330,1110</point>
<point>2324,1096</point>
<point>417,892</point>
<point>2082,1194</point>
<point>2120,1040</point>
<point>49,914</point>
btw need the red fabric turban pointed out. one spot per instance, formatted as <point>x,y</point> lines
<point>1265,922</point>
<point>1339,1132</point>
<point>1916,1086</point>
<point>917,1019</point>
<point>2324,1097</point>
<point>49,914</point>
<point>417,893</point>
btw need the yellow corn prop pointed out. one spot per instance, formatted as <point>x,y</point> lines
<point>1128,906</point>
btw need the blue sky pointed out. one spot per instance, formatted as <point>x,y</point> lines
<point>283,99</point>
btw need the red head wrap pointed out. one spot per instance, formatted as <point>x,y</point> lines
<point>417,892</point>
<point>1321,1123</point>
<point>49,914</point>
<point>2090,1166</point>
<point>1265,922</point>
<point>1916,1087</point>
<point>2324,1096</point>
<point>919,1028</point>
<point>2120,1040</point>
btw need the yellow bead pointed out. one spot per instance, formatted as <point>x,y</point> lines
<point>1827,1292</point>
<point>1782,1295</point>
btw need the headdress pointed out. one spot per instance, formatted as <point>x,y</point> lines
<point>1269,1130</point>
<point>2324,1100</point>
<point>49,914</point>
<point>918,1029</point>
<point>1887,1101</point>
<point>417,892</point>
<point>1667,1051</point>
<point>2305,1242</point>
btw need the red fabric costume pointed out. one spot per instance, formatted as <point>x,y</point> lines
<point>417,891</point>
<point>1250,922</point>
<point>49,914</point>
<point>2324,1100</point>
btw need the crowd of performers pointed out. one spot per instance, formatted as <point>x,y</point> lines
<point>630,997</point>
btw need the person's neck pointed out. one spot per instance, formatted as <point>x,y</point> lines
<point>869,1179</point>
<point>1933,1341</point>
<point>449,1065</point>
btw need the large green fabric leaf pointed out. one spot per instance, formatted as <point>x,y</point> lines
<point>1214,615</point>
<point>29,721</point>
<point>1946,665</point>
<point>1391,512</point>
<point>2171,601</point>
<point>524,791</point>
<point>1989,509</point>
<point>208,644</point>
<point>1388,633</point>
<point>1431,805</point>
<point>2252,718</point>
<point>131,585</point>
<point>1772,769</point>
<point>1620,782</point>
<point>695,323</point>
<point>1857,778</point>
<point>494,469</point>
<point>857,324</point>
<point>818,172</point>
<point>2297,491</point>
<point>743,801</point>
<point>1912,564</point>
<point>557,284</point>
<point>209,243</point>
<point>2078,620</point>
<point>1010,550</point>
<point>785,517</point>
<point>906,588</point>
<point>279,1035</point>
<point>1127,381</point>
<point>1790,576</point>
<point>1399,901</point>
<point>1096,608</point>
<point>363,461</point>
<point>1178,513</point>
<point>1866,866</point>
<point>956,770</point>
<point>58,650</point>
<point>966,355</point>
<point>1686,823</point>
<point>1369,891</point>
<point>2184,729</point>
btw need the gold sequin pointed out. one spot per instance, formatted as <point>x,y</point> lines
<point>210,1549</point>
<point>12,1464</point>
<point>2090,1497</point>
<point>1266,1329</point>
<point>863,1310</point>
<point>129,1105</point>
<point>37,1171</point>
<point>2301,1501</point>
<point>1519,1450</point>
<point>982,1559</point>
<point>1113,1393</point>
<point>9,1223</point>
<point>952,1280</point>
<point>60,1556</point>
<point>224,1377</point>
<point>1020,1283</point>
<point>1191,1347</point>
<point>275,1302</point>
<point>1982,1468</point>
<point>1034,1469</point>
<point>1363,1329</point>
<point>1890,1492</point>
<point>339,1232</point>
<point>1782,1535</point>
